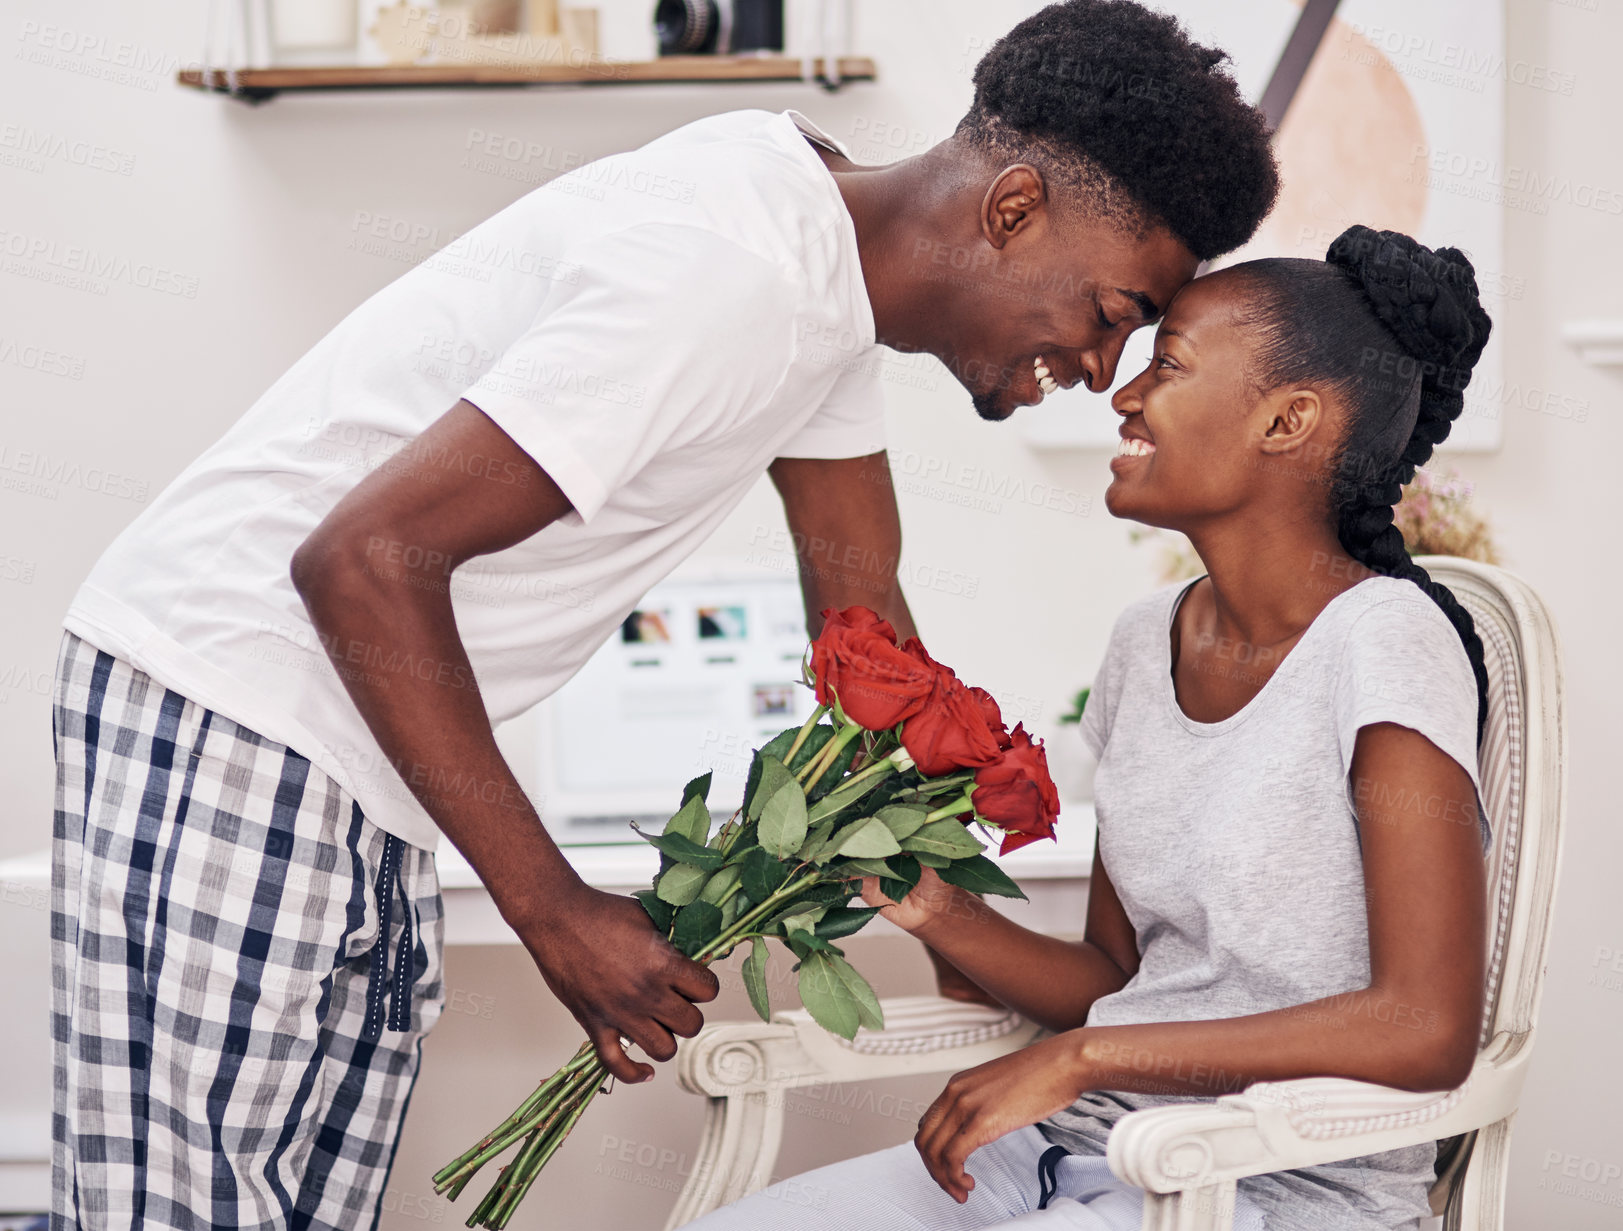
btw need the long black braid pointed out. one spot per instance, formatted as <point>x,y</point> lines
<point>1395,328</point>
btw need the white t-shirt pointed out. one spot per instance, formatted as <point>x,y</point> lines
<point>1234,848</point>
<point>654,329</point>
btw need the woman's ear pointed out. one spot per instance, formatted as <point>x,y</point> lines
<point>1290,419</point>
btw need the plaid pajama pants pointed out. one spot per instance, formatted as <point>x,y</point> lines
<point>222,919</point>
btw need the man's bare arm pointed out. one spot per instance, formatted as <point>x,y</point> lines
<point>375,576</point>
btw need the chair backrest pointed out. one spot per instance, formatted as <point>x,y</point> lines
<point>1522,765</point>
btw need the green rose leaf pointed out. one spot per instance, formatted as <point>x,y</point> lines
<point>905,868</point>
<point>770,775</point>
<point>869,839</point>
<point>944,837</point>
<point>816,836</point>
<point>842,921</point>
<point>720,885</point>
<point>903,820</point>
<point>980,875</point>
<point>692,821</point>
<point>868,867</point>
<point>659,911</point>
<point>731,909</point>
<point>801,920</point>
<point>696,926</point>
<point>802,943</point>
<point>869,1012</point>
<point>684,849</point>
<point>827,997</point>
<point>783,816</point>
<point>929,859</point>
<point>755,979</point>
<point>761,874</point>
<point>700,786</point>
<point>681,883</point>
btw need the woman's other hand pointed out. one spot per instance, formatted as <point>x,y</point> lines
<point>992,1100</point>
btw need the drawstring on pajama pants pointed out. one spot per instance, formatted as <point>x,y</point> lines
<point>1047,1185</point>
<point>405,955</point>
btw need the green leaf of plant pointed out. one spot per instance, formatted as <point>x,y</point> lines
<point>843,797</point>
<point>658,910</point>
<point>903,820</point>
<point>800,919</point>
<point>692,821</point>
<point>755,979</point>
<point>827,996</point>
<point>720,885</point>
<point>696,926</point>
<point>731,909</point>
<point>700,786</point>
<point>681,883</point>
<point>980,875</point>
<point>929,858</point>
<point>842,921</point>
<point>905,868</point>
<point>783,817</point>
<point>773,774</point>
<point>869,839</point>
<point>944,837</point>
<point>869,1013</point>
<point>868,867</point>
<point>801,943</point>
<point>777,747</point>
<point>762,874</point>
<point>816,835</point>
<point>684,849</point>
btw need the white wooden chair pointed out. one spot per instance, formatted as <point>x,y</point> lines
<point>1188,1157</point>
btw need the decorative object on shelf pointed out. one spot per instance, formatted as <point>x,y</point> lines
<point>460,43</point>
<point>311,31</point>
<point>936,756</point>
<point>1437,518</point>
<point>485,32</point>
<point>718,27</point>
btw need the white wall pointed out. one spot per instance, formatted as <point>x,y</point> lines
<point>268,208</point>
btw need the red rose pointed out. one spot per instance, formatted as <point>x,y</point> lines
<point>993,715</point>
<point>856,659</point>
<point>951,732</point>
<point>1017,795</point>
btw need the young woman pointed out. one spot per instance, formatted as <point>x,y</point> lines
<point>1289,880</point>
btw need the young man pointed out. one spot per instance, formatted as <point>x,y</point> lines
<point>278,686</point>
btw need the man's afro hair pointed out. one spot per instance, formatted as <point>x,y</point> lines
<point>1128,90</point>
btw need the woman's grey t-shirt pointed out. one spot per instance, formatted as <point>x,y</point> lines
<point>1234,849</point>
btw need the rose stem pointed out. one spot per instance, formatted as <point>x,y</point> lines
<point>958,806</point>
<point>805,730</point>
<point>517,1119</point>
<point>553,1141</point>
<point>820,764</point>
<point>484,1155</point>
<point>742,924</point>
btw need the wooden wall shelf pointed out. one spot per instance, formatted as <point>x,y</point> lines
<point>258,84</point>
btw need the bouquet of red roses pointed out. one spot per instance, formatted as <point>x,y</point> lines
<point>934,757</point>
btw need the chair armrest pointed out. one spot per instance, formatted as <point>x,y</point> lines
<point>745,1067</point>
<point>1283,1125</point>
<point>923,1034</point>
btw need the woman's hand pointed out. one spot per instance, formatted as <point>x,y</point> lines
<point>990,1101</point>
<point>931,899</point>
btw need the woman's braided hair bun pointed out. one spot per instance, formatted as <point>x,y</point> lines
<point>1428,302</point>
